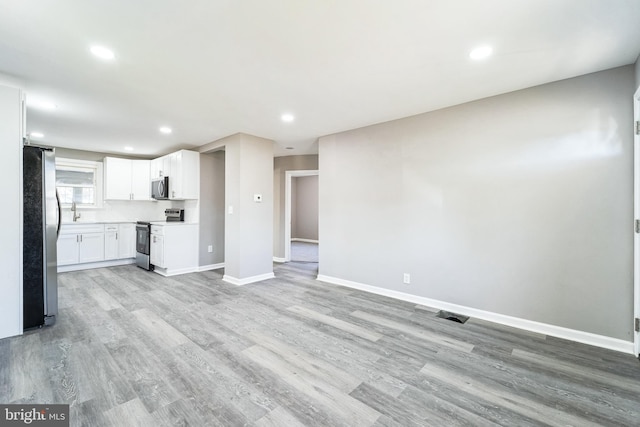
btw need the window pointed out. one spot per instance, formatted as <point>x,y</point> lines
<point>79,181</point>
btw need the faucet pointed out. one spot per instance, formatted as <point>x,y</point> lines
<point>74,209</point>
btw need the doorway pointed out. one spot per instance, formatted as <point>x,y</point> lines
<point>636,208</point>
<point>306,244</point>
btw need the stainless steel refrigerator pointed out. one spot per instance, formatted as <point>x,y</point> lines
<point>41,226</point>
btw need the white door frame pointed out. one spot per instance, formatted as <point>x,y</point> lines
<point>289,175</point>
<point>636,215</point>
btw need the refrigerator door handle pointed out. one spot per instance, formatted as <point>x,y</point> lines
<point>59,214</point>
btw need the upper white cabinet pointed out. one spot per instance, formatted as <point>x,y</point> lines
<point>161,167</point>
<point>126,179</point>
<point>184,181</point>
<point>183,170</point>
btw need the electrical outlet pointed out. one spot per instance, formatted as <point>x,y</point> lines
<point>406,278</point>
<point>210,248</point>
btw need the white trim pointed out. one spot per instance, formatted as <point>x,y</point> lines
<point>90,265</point>
<point>247,280</point>
<point>636,215</point>
<point>528,325</point>
<point>62,162</point>
<point>296,239</point>
<point>278,259</point>
<point>288,175</point>
<point>20,160</point>
<point>211,267</point>
<point>175,272</point>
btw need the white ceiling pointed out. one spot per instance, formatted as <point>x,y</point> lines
<point>212,68</point>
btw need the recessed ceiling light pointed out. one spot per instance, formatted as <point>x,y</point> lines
<point>287,118</point>
<point>36,135</point>
<point>165,129</point>
<point>128,148</point>
<point>481,52</point>
<point>102,52</point>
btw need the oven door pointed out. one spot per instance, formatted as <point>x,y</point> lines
<point>142,239</point>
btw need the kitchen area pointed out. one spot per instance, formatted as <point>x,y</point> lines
<point>142,212</point>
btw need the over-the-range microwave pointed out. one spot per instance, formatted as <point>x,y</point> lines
<point>160,188</point>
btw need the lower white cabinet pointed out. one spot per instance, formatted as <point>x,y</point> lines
<point>95,243</point>
<point>119,241</point>
<point>126,241</point>
<point>157,251</point>
<point>91,247</point>
<point>174,248</point>
<point>111,242</point>
<point>68,249</point>
<point>80,244</point>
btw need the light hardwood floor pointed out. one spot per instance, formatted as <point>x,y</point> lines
<point>134,348</point>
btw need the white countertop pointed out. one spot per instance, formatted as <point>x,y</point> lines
<point>97,222</point>
<point>172,223</point>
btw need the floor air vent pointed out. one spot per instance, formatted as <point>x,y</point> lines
<point>458,318</point>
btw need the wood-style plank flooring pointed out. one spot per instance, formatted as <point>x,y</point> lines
<point>135,348</point>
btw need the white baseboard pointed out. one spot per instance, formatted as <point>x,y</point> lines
<point>528,325</point>
<point>100,264</point>
<point>247,280</point>
<point>211,267</point>
<point>296,239</point>
<point>278,259</point>
<point>175,272</point>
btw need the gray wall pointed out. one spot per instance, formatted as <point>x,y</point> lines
<point>519,204</point>
<point>280,166</point>
<point>249,229</point>
<point>304,207</point>
<point>11,215</point>
<point>211,208</point>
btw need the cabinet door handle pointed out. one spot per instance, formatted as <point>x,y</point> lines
<point>116,236</point>
<point>77,238</point>
<point>81,238</point>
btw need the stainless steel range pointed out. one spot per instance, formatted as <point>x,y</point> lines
<point>143,245</point>
<point>143,237</point>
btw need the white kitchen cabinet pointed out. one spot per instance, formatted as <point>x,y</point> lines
<point>174,248</point>
<point>91,247</point>
<point>82,243</point>
<point>68,249</point>
<point>119,241</point>
<point>156,167</point>
<point>184,181</point>
<point>87,245</point>
<point>183,170</point>
<point>161,167</point>
<point>140,180</point>
<point>111,241</point>
<point>156,249</point>
<point>126,241</point>
<point>126,179</point>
